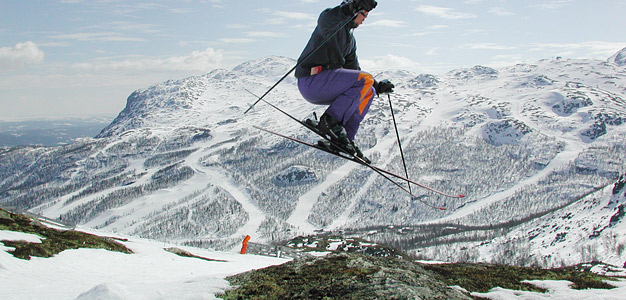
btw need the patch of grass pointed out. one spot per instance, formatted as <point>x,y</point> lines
<point>484,277</point>
<point>183,253</point>
<point>53,241</point>
<point>321,279</point>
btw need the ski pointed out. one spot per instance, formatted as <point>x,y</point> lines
<point>351,158</point>
<point>375,168</point>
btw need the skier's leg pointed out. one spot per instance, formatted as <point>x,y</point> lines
<point>346,91</point>
<point>351,106</point>
<point>325,87</point>
<point>349,94</point>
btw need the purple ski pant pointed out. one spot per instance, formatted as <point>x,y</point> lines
<point>348,93</point>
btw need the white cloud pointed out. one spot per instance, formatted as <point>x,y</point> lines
<point>130,8</point>
<point>294,15</point>
<point>591,49</point>
<point>554,4</point>
<point>237,40</point>
<point>282,17</point>
<point>501,61</point>
<point>264,34</point>
<point>21,54</point>
<point>215,3</point>
<point>201,61</point>
<point>181,10</point>
<point>430,30</point>
<point>499,11</point>
<point>97,36</point>
<point>387,23</point>
<point>435,27</point>
<point>54,44</point>
<point>389,62</point>
<point>443,12</point>
<point>487,46</point>
<point>422,33</point>
<point>131,26</point>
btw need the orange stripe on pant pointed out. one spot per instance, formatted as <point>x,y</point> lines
<point>366,92</point>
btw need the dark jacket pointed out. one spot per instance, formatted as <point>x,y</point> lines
<point>338,52</point>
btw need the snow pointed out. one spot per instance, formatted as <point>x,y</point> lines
<point>559,161</point>
<point>307,201</point>
<point>609,271</point>
<point>619,58</point>
<point>569,236</point>
<point>153,273</point>
<point>557,290</point>
<point>256,216</point>
<point>6,235</point>
<point>149,273</point>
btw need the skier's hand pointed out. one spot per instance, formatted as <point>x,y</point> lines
<point>366,5</point>
<point>355,6</point>
<point>383,87</point>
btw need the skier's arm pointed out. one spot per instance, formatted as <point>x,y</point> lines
<point>333,17</point>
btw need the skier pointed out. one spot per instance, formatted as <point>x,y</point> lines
<point>332,75</point>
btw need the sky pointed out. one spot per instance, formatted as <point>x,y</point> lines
<point>62,58</point>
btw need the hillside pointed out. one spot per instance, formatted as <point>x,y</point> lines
<point>141,269</point>
<point>182,162</point>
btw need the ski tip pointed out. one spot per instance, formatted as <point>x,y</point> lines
<point>247,110</point>
<point>461,196</point>
<point>442,208</point>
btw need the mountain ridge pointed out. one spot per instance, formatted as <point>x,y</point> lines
<point>619,58</point>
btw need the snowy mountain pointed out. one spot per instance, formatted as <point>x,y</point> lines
<point>619,58</point>
<point>589,229</point>
<point>182,162</point>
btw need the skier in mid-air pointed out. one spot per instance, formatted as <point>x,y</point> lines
<point>332,75</point>
<point>328,73</point>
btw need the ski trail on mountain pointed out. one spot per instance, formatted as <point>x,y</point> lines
<point>572,149</point>
<point>383,147</point>
<point>299,217</point>
<point>306,202</point>
<point>558,162</point>
<point>255,215</point>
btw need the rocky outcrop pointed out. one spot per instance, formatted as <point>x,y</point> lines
<point>342,276</point>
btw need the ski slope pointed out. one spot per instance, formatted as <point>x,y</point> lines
<point>149,273</point>
<point>153,273</point>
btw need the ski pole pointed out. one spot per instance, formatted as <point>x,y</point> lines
<point>406,172</point>
<point>305,58</point>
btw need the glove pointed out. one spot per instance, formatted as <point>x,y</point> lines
<point>365,5</point>
<point>355,6</point>
<point>383,87</point>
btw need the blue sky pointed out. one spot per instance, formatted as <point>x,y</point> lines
<point>79,57</point>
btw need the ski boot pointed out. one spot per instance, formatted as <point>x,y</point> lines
<point>331,128</point>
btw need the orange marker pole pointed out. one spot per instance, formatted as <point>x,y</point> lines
<point>244,246</point>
